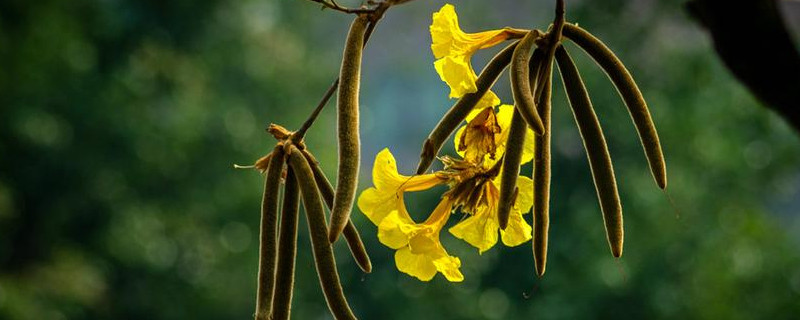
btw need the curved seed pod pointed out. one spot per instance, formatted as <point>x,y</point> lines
<point>541,177</point>
<point>596,149</point>
<point>357,249</point>
<point>323,252</point>
<point>521,84</point>
<point>514,147</point>
<point>349,137</point>
<point>269,221</point>
<point>459,111</point>
<point>510,171</point>
<point>630,94</point>
<point>287,249</point>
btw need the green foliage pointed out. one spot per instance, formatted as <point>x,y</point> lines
<point>120,122</point>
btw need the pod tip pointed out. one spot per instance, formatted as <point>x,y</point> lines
<point>616,252</point>
<point>333,234</point>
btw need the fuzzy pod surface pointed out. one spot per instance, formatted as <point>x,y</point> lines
<point>323,251</point>
<point>267,238</point>
<point>459,111</point>
<point>541,176</point>
<point>521,84</point>
<point>347,127</point>
<point>596,149</point>
<point>631,95</point>
<point>513,155</point>
<point>351,236</point>
<point>287,249</point>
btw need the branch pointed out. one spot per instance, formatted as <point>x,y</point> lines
<point>751,39</point>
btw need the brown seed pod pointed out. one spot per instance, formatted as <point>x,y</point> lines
<point>287,249</point>
<point>514,146</point>
<point>459,111</point>
<point>323,251</point>
<point>521,84</point>
<point>541,176</point>
<point>357,249</point>
<point>596,149</point>
<point>630,94</point>
<point>349,137</point>
<point>269,221</point>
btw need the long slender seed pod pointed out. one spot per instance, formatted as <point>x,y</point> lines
<point>287,249</point>
<point>514,146</point>
<point>521,84</point>
<point>596,149</point>
<point>269,221</point>
<point>357,249</point>
<point>323,251</point>
<point>459,111</point>
<point>541,177</point>
<point>510,171</point>
<point>630,94</point>
<point>349,136</point>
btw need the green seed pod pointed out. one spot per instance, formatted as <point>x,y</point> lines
<point>357,249</point>
<point>459,111</point>
<point>541,176</point>
<point>521,84</point>
<point>287,249</point>
<point>516,143</point>
<point>269,221</point>
<point>596,149</point>
<point>630,94</point>
<point>349,137</point>
<point>323,251</point>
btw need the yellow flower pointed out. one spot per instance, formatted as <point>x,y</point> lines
<point>482,143</point>
<point>474,187</point>
<point>387,194</point>
<point>453,49</point>
<point>419,252</point>
<point>485,135</point>
<point>480,229</point>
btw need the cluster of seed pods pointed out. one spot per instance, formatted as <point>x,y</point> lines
<point>293,163</point>
<point>531,61</point>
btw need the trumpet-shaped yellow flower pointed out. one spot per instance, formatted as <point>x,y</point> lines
<point>482,143</point>
<point>453,49</point>
<point>419,252</point>
<point>474,187</point>
<point>387,194</point>
<point>485,135</point>
<point>480,229</point>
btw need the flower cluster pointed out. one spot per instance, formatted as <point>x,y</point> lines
<point>472,177</point>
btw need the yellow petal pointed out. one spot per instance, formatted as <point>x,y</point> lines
<point>518,230</point>
<point>419,266</point>
<point>457,73</point>
<point>453,49</point>
<point>387,195</point>
<point>448,38</point>
<point>525,196</point>
<point>504,114</point>
<point>423,242</point>
<point>395,230</point>
<point>479,230</point>
<point>376,205</point>
<point>448,266</point>
<point>385,176</point>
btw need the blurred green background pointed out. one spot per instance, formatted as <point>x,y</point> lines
<point>120,122</point>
